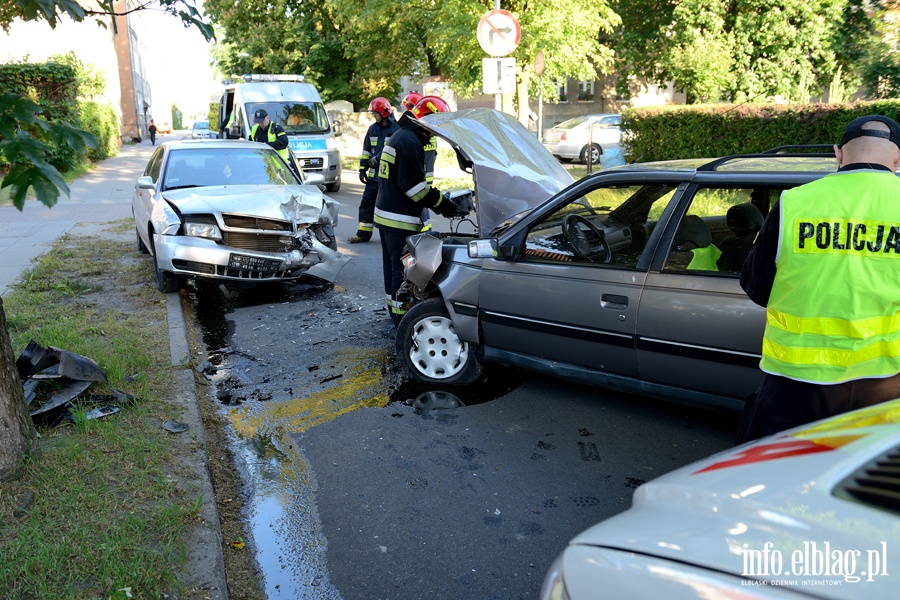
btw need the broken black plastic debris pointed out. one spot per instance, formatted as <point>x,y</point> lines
<point>174,426</point>
<point>54,379</point>
<point>55,362</point>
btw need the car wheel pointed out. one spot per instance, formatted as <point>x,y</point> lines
<point>165,282</point>
<point>591,153</point>
<point>140,243</point>
<point>429,349</point>
<point>333,187</point>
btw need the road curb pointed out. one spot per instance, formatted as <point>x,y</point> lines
<point>204,567</point>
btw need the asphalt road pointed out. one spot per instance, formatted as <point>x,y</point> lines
<point>357,493</point>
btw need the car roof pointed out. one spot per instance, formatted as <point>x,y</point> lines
<point>795,159</point>
<point>213,143</point>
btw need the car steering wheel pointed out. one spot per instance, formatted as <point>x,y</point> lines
<point>580,242</point>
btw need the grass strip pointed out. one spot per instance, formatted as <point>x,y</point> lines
<point>107,514</point>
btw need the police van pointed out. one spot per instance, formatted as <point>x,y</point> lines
<point>298,108</point>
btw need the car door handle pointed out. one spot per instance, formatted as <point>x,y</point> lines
<point>614,301</point>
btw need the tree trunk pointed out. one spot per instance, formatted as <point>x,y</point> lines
<point>17,433</point>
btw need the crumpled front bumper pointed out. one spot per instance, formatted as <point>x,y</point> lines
<point>199,257</point>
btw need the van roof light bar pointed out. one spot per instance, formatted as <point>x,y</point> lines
<point>265,77</point>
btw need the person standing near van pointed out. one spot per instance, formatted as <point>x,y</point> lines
<point>268,132</point>
<point>378,133</point>
<point>152,129</point>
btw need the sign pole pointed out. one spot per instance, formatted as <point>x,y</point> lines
<point>498,99</point>
<point>539,71</point>
<point>540,127</point>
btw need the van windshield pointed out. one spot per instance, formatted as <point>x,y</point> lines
<point>295,117</point>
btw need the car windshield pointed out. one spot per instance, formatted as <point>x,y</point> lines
<point>202,167</point>
<point>201,125</point>
<point>295,117</point>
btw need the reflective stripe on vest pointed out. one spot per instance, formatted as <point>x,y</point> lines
<point>398,220</point>
<point>834,311</point>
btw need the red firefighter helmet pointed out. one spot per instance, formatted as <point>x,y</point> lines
<point>429,104</point>
<point>382,106</point>
<point>409,102</point>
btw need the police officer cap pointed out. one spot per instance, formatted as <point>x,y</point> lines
<point>260,115</point>
<point>855,130</point>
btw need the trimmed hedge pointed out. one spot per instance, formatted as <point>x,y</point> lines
<point>709,131</point>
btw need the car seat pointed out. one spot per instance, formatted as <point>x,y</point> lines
<point>693,237</point>
<point>744,221</point>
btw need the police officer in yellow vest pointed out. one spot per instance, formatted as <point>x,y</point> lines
<point>825,266</point>
<point>271,133</point>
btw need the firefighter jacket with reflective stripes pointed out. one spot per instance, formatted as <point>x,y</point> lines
<point>376,136</point>
<point>834,311</point>
<point>403,188</point>
<point>275,137</point>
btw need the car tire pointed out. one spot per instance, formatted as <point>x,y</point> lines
<point>333,187</point>
<point>140,243</point>
<point>588,152</point>
<point>165,282</point>
<point>429,349</point>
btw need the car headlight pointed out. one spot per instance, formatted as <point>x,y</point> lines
<point>203,230</point>
<point>554,587</point>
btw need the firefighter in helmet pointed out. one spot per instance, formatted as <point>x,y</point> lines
<point>404,191</point>
<point>378,133</point>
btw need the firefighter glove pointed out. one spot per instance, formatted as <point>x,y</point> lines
<point>363,176</point>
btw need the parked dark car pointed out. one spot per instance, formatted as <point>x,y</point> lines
<point>600,280</point>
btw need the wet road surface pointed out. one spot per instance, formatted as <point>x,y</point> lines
<point>359,486</point>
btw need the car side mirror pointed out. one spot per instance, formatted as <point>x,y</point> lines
<point>145,183</point>
<point>483,248</point>
<point>336,126</point>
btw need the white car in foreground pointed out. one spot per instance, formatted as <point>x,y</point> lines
<point>812,512</point>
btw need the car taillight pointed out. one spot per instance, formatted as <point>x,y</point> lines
<point>562,136</point>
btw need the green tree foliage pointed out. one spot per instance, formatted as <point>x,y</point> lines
<point>880,57</point>
<point>282,36</point>
<point>356,49</point>
<point>745,50</point>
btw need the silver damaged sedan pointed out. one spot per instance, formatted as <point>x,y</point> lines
<point>233,211</point>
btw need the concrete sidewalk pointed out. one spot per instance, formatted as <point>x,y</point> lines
<point>103,196</point>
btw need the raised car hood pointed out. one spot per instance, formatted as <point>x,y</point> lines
<point>296,203</point>
<point>513,172</point>
<point>785,491</point>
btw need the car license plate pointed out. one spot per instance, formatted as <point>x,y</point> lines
<point>253,263</point>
